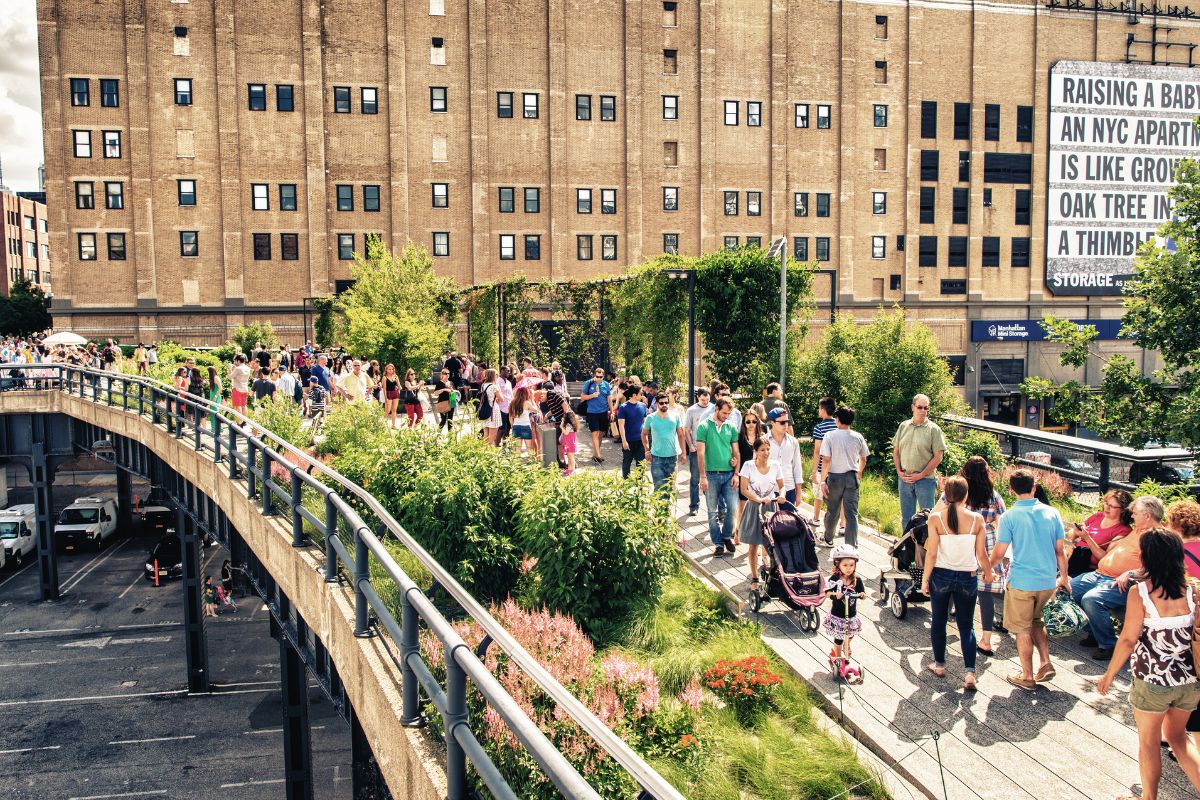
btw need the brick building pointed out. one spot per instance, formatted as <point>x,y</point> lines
<point>213,161</point>
<point>26,252</point>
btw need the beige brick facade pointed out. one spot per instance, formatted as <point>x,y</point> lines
<point>26,247</point>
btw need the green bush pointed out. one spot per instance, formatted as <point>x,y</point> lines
<point>225,352</point>
<point>247,337</point>
<point>1168,493</point>
<point>962,444</point>
<point>353,426</point>
<point>281,416</point>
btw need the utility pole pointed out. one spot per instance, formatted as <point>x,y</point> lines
<point>779,246</point>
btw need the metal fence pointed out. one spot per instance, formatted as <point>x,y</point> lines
<point>350,538</point>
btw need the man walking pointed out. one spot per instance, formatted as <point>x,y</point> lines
<point>785,451</point>
<point>664,436</point>
<point>774,400</point>
<point>717,458</point>
<point>1034,531</point>
<point>695,414</point>
<point>917,449</point>
<point>595,394</point>
<point>844,457</point>
<point>825,424</point>
<point>630,417</point>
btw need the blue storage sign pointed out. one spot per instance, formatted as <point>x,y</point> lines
<point>1031,330</point>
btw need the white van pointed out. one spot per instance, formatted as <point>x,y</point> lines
<point>88,522</point>
<point>18,535</point>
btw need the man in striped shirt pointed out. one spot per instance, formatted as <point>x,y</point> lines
<point>825,424</point>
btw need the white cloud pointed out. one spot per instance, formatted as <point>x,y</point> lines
<point>20,95</point>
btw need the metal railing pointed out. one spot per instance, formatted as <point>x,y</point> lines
<point>255,455</point>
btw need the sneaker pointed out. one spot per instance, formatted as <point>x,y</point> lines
<point>731,547</point>
<point>828,537</point>
<point>720,551</point>
<point>1102,654</point>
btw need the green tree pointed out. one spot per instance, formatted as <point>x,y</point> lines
<point>325,325</point>
<point>25,311</point>
<point>247,337</point>
<point>646,319</point>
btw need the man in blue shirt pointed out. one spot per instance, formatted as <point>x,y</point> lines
<point>665,436</point>
<point>1034,531</point>
<point>630,417</point>
<point>321,372</point>
<point>595,394</point>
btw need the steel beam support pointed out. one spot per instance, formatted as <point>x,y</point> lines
<point>194,636</point>
<point>124,498</point>
<point>297,744</point>
<point>43,502</point>
<point>368,783</point>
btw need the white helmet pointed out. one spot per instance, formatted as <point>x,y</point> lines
<point>844,551</point>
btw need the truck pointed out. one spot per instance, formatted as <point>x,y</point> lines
<point>88,522</point>
<point>18,535</point>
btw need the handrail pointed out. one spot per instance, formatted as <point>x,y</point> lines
<point>459,658</point>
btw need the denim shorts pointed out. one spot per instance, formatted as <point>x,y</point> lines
<point>522,432</point>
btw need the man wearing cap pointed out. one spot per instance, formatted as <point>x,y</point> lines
<point>785,451</point>
<point>316,398</point>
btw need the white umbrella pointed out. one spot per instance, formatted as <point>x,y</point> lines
<point>64,337</point>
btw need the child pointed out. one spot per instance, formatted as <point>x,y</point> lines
<point>566,439</point>
<point>846,588</point>
<point>209,590</point>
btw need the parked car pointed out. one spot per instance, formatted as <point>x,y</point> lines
<point>1076,463</point>
<point>88,522</point>
<point>18,534</point>
<point>1168,473</point>
<point>156,520</point>
<point>166,557</point>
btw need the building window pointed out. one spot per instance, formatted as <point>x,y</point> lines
<point>881,26</point>
<point>1007,168</point>
<point>731,204</point>
<point>1023,207</point>
<point>823,117</point>
<point>345,246</point>
<point>80,95</point>
<point>964,166</point>
<point>960,213</point>
<point>369,100</point>
<point>880,115</point>
<point>84,195</point>
<point>437,52</point>
<point>881,72</point>
<point>754,241</point>
<point>189,244</point>
<point>262,247</point>
<point>289,246</point>
<point>954,286</point>
<point>880,159</point>
<point>608,248</point>
<point>670,106</point>
<point>508,247</point>
<point>183,91</point>
<point>671,243</point>
<point>928,119</point>
<point>287,197</point>
<point>822,248</point>
<point>987,198</point>
<point>957,251</point>
<point>878,246</point>
<point>83,143</point>
<point>529,104</point>
<point>345,197</point>
<point>608,108</point>
<point>991,251</point>
<point>30,223</point>
<point>371,197</point>
<point>112,144</point>
<point>753,204</point>
<point>991,122</point>
<point>608,201</point>
<point>259,200</point>
<point>257,93</point>
<point>1024,123</point>
<point>441,195</point>
<point>437,99</point>
<point>670,198</point>
<point>754,113</point>
<point>670,18</point>
<point>583,107</point>
<point>731,112</point>
<point>800,204</point>
<point>927,251</point>
<point>341,99</point>
<point>800,248</point>
<point>822,204</point>
<point>1020,251</point>
<point>441,244</point>
<point>894,283</point>
<point>731,243</point>
<point>116,247</point>
<point>533,247</point>
<point>114,195</point>
<point>507,199</point>
<point>900,243</point>
<point>504,105</point>
<point>801,115</point>
<point>928,195</point>
<point>533,200</point>
<point>583,201</point>
<point>583,247</point>
<point>285,97</point>
<point>110,93</point>
<point>87,246</point>
<point>670,62</point>
<point>962,120</point>
<point>878,203</point>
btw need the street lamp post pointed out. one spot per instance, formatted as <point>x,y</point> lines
<point>779,247</point>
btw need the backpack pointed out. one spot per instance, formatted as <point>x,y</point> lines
<point>581,409</point>
<point>485,403</point>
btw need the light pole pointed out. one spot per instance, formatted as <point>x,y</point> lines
<point>779,246</point>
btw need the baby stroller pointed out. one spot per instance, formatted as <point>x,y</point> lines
<point>792,571</point>
<point>899,586</point>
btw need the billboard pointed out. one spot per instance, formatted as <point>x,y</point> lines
<point>1117,131</point>
<point>1031,330</point>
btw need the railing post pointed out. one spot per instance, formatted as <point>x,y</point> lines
<point>268,496</point>
<point>331,528</point>
<point>456,714</point>
<point>362,573</point>
<point>251,465</point>
<point>216,429</point>
<point>141,399</point>
<point>180,414</point>
<point>108,388</point>
<point>233,465</point>
<point>1105,475</point>
<point>410,645</point>
<point>297,504</point>
<point>197,424</point>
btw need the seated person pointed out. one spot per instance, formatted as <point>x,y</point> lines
<point>1098,532</point>
<point>1104,590</point>
<point>1183,517</point>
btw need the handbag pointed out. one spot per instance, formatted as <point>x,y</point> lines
<point>1063,616</point>
<point>442,407</point>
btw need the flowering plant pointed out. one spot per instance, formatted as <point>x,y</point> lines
<point>746,685</point>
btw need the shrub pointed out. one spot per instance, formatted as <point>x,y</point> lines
<point>281,416</point>
<point>246,337</point>
<point>962,444</point>
<point>225,352</point>
<point>1057,488</point>
<point>746,685</point>
<point>353,426</point>
<point>1168,493</point>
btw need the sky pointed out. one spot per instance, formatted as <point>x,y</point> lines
<point>20,95</point>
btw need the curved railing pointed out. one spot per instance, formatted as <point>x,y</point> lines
<point>251,452</point>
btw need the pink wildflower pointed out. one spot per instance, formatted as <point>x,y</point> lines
<point>691,694</point>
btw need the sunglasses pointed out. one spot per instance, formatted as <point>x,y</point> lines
<point>921,408</point>
<point>783,422</point>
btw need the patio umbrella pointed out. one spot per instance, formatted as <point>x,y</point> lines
<point>64,337</point>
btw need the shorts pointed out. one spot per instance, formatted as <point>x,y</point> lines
<point>237,398</point>
<point>597,421</point>
<point>522,432</point>
<point>393,395</point>
<point>1023,610</point>
<point>1154,699</point>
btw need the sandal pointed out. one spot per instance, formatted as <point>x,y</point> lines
<point>936,670</point>
<point>969,684</point>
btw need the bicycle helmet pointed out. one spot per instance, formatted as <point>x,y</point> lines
<point>844,551</point>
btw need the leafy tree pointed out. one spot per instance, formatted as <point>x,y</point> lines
<point>646,319</point>
<point>325,325</point>
<point>247,337</point>
<point>25,311</point>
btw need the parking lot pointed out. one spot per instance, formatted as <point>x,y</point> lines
<point>93,700</point>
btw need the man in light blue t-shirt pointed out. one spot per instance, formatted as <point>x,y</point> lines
<point>663,436</point>
<point>1034,531</point>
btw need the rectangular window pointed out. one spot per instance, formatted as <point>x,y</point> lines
<point>964,166</point>
<point>112,144</point>
<point>437,52</point>
<point>189,244</point>
<point>731,242</point>
<point>257,96</point>
<point>608,108</point>
<point>954,286</point>
<point>991,122</point>
<point>823,117</point>
<point>1020,251</point>
<point>731,112</point>
<point>529,104</point>
<point>1023,207</point>
<point>800,248</point>
<point>533,247</point>
<point>368,98</point>
<point>670,62</point>
<point>753,204</point>
<point>894,283</point>
<point>441,244</point>
<point>881,72</point>
<point>1007,168</point>
<point>583,201</point>
<point>30,223</point>
<point>259,199</point>
<point>670,198</point>
<point>345,243</point>
<point>754,113</point>
<point>878,203</point>
<point>801,115</point>
<point>670,154</point>
<point>928,119</point>
<point>87,246</point>
<point>507,199</point>
<point>183,91</point>
<point>371,197</point>
<point>508,247</point>
<point>341,99</point>
<point>110,93</point>
<point>80,95</point>
<point>671,243</point>
<point>927,251</point>
<point>114,195</point>
<point>345,197</point>
<point>731,204</point>
<point>262,247</point>
<point>583,247</point>
<point>287,197</point>
<point>670,106</point>
<point>878,246</point>
<point>928,195</point>
<point>583,107</point>
<point>1024,123</point>
<point>822,248</point>
<point>929,165</point>
<point>285,97</point>
<point>441,195</point>
<point>437,99</point>
<point>533,200</point>
<point>670,19</point>
<point>608,248</point>
<point>957,251</point>
<point>991,251</point>
<point>504,105</point>
<point>754,241</point>
<point>987,198</point>
<point>84,195</point>
<point>880,115</point>
<point>289,246</point>
<point>960,214</point>
<point>881,27</point>
<point>962,120</point>
<point>608,201</point>
<point>82,144</point>
<point>116,247</point>
<point>822,204</point>
<point>800,204</point>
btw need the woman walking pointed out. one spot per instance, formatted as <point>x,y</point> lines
<point>524,419</point>
<point>984,500</point>
<point>391,394</point>
<point>410,395</point>
<point>761,484</point>
<point>214,395</point>
<point>748,438</point>
<point>443,403</point>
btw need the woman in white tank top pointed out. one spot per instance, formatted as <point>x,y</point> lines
<point>954,550</point>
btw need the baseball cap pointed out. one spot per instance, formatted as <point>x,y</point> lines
<point>776,413</point>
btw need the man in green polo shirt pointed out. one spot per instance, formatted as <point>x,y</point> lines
<point>917,449</point>
<point>717,458</point>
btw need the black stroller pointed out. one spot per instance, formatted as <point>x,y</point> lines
<point>792,571</point>
<point>900,585</point>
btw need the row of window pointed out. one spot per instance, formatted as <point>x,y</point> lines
<point>116,245</point>
<point>31,223</point>
<point>584,246</point>
<point>997,167</point>
<point>927,251</point>
<point>110,92</point>
<point>962,121</point>
<point>82,141</point>
<point>960,208</point>
<point>31,249</point>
